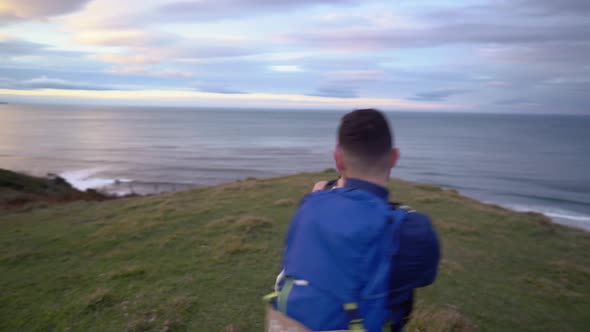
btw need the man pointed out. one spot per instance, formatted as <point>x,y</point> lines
<point>352,259</point>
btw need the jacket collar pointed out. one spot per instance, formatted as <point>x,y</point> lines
<point>371,187</point>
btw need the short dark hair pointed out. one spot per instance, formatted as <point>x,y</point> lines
<point>365,135</point>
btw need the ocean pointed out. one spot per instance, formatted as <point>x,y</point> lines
<point>524,162</point>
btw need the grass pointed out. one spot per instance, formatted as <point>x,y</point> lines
<point>200,260</point>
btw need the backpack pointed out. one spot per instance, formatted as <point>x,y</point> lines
<point>338,262</point>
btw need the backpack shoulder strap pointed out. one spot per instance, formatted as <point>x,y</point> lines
<point>407,306</point>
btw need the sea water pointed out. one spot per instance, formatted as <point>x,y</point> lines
<point>524,162</point>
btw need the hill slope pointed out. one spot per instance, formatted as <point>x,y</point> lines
<point>200,260</point>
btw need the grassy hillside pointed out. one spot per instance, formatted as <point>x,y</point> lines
<point>200,260</point>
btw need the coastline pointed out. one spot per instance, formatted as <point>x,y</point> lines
<point>175,259</point>
<point>121,187</point>
<point>84,180</point>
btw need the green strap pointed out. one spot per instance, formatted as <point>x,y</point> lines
<point>356,325</point>
<point>269,297</point>
<point>355,321</point>
<point>351,306</point>
<point>387,326</point>
<point>284,295</point>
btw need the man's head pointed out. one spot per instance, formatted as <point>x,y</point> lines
<point>365,147</point>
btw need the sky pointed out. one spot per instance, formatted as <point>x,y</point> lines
<point>514,56</point>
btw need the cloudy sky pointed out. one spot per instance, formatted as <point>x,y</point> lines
<point>480,56</point>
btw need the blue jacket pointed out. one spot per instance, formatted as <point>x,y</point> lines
<point>332,231</point>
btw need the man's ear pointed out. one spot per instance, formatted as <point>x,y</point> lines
<point>394,157</point>
<point>339,159</point>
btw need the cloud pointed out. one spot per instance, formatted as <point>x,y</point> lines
<point>208,49</point>
<point>224,9</point>
<point>171,73</point>
<point>346,49</point>
<point>552,7</point>
<point>335,91</point>
<point>185,97</point>
<point>16,47</point>
<point>35,9</point>
<point>6,19</point>
<point>363,38</point>
<point>8,83</point>
<point>357,76</point>
<point>144,47</point>
<point>437,95</point>
<point>44,82</point>
<point>13,48</point>
<point>346,83</point>
<point>557,53</point>
<point>286,68</point>
<point>513,101</point>
<point>119,37</point>
<point>512,24</point>
<point>133,59</point>
<point>142,70</point>
<point>131,70</point>
<point>178,51</point>
<point>503,10</point>
<point>215,88</point>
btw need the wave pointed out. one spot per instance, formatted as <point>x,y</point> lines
<point>561,216</point>
<point>545,198</point>
<point>86,179</point>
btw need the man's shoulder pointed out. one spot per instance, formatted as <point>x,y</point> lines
<point>413,216</point>
<point>355,206</point>
<point>416,224</point>
<point>338,196</point>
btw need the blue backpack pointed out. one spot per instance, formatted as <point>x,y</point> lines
<point>338,261</point>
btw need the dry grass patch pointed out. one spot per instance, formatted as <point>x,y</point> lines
<point>284,202</point>
<point>232,245</point>
<point>169,240</point>
<point>464,230</point>
<point>450,267</point>
<point>100,298</point>
<point>19,257</point>
<point>543,221</point>
<point>231,328</point>
<point>246,224</point>
<point>169,315</point>
<point>433,199</point>
<point>456,227</point>
<point>429,187</point>
<point>127,272</point>
<point>251,223</point>
<point>440,319</point>
<point>543,285</point>
<point>564,267</point>
<point>115,253</point>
